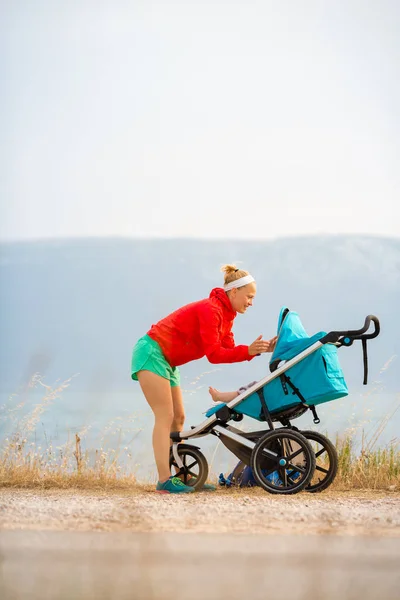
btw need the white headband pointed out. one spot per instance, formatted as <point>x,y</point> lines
<point>239,283</point>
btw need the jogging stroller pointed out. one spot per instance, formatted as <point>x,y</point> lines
<point>304,372</point>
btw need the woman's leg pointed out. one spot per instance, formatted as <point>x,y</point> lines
<point>157,391</point>
<point>179,411</point>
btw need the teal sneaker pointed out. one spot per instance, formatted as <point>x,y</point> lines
<point>207,487</point>
<point>173,485</point>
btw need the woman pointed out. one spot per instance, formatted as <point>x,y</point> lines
<point>198,329</point>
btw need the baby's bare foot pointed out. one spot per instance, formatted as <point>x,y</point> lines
<point>214,394</point>
<point>221,396</point>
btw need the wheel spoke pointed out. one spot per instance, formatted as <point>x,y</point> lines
<point>289,446</point>
<point>269,453</point>
<point>283,475</point>
<point>292,481</point>
<point>292,456</point>
<point>318,468</point>
<point>297,468</point>
<point>190,466</point>
<point>320,452</point>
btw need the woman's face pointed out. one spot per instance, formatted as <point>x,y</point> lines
<point>242,298</point>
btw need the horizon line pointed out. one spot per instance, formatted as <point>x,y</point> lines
<point>154,238</point>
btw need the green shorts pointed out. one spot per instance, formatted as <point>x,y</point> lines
<point>147,356</point>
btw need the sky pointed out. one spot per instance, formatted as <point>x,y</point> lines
<point>220,119</point>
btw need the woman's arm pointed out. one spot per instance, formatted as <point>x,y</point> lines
<point>228,341</point>
<point>219,350</point>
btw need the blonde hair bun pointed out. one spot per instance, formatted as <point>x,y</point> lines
<point>232,273</point>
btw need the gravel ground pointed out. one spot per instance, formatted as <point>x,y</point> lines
<point>234,511</point>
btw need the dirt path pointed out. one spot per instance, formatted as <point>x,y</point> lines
<point>125,565</point>
<point>233,511</point>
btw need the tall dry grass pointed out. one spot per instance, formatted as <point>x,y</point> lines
<point>367,464</point>
<point>377,469</point>
<point>24,463</point>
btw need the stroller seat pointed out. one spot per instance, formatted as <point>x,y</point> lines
<point>318,378</point>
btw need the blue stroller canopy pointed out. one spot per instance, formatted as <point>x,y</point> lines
<point>292,337</point>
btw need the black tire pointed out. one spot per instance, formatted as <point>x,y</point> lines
<point>195,466</point>
<point>285,444</point>
<point>328,451</point>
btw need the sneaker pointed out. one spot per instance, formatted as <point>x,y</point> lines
<point>208,487</point>
<point>173,485</point>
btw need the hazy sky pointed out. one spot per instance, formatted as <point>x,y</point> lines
<point>199,118</point>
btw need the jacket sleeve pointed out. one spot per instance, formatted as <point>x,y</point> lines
<point>228,341</point>
<point>217,350</point>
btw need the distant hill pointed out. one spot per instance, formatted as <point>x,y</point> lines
<point>78,306</point>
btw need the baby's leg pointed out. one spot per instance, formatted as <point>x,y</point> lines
<point>222,396</point>
<point>246,387</point>
<point>218,396</point>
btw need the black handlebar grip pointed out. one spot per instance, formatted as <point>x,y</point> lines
<point>356,334</point>
<point>375,333</point>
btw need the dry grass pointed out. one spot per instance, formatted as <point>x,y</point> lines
<point>366,464</point>
<point>23,464</point>
<point>374,469</point>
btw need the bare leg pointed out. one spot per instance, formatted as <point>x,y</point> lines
<point>157,392</point>
<point>179,411</point>
<point>222,396</point>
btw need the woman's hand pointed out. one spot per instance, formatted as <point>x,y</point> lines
<point>259,345</point>
<point>272,343</point>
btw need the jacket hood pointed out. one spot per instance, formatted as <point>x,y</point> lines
<point>220,294</point>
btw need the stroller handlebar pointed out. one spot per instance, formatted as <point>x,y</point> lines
<point>354,334</point>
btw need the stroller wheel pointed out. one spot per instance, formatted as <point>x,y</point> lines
<point>283,461</point>
<point>326,461</point>
<point>195,466</point>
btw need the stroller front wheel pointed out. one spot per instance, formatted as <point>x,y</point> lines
<point>195,466</point>
<point>283,461</point>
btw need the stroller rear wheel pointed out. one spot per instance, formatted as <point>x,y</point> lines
<point>195,466</point>
<point>326,461</point>
<point>283,461</point>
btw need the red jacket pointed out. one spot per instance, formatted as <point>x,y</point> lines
<point>200,329</point>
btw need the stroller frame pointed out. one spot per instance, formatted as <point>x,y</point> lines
<point>243,444</point>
